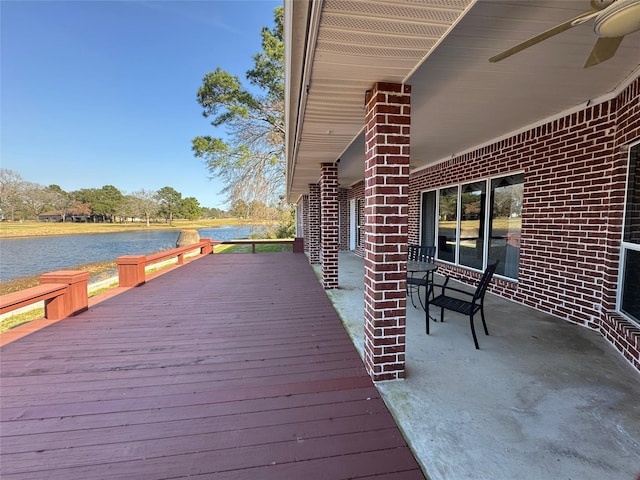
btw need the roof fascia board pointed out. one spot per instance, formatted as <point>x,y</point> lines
<point>304,16</point>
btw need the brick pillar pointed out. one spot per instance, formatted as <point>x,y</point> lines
<point>314,223</point>
<point>305,222</point>
<point>343,222</point>
<point>329,225</point>
<point>387,129</point>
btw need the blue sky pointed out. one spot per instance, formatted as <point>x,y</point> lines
<point>100,93</point>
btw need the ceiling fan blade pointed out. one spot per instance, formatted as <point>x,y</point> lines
<point>543,36</point>
<point>604,49</point>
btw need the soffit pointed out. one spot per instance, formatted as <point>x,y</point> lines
<point>357,43</point>
<point>459,99</point>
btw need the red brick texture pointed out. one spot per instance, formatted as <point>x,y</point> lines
<point>575,171</point>
<point>305,221</point>
<point>314,224</point>
<point>329,221</point>
<point>344,224</point>
<point>387,129</point>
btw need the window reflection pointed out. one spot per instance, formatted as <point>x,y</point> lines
<point>506,223</point>
<point>447,224</point>
<point>472,202</point>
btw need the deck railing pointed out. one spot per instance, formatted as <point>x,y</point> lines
<point>132,269</point>
<point>296,243</point>
<point>65,292</point>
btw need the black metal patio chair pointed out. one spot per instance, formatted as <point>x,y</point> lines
<point>425,254</point>
<point>465,306</point>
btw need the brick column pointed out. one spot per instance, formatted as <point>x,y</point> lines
<point>343,223</point>
<point>314,223</point>
<point>329,236</point>
<point>305,222</point>
<point>387,129</point>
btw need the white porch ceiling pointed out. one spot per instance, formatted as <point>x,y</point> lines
<point>337,49</point>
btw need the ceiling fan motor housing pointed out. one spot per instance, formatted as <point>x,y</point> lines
<point>601,4</point>
<point>618,20</point>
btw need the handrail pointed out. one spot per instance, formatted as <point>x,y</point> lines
<point>23,298</point>
<point>296,243</point>
<point>204,245</point>
<point>132,268</point>
<point>64,293</point>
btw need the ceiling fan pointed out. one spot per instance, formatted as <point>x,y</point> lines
<point>613,20</point>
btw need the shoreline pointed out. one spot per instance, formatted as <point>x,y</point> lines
<point>11,230</point>
<point>98,271</point>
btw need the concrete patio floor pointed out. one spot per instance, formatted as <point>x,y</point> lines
<point>541,399</point>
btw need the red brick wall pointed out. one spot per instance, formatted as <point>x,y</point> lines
<point>574,172</point>
<point>388,121</point>
<point>624,335</point>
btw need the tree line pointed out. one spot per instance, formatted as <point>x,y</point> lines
<point>24,200</point>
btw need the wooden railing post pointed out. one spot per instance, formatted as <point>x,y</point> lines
<point>75,300</point>
<point>298,245</point>
<point>131,270</point>
<point>207,246</point>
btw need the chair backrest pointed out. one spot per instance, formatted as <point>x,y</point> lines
<point>421,253</point>
<point>429,252</point>
<point>484,281</point>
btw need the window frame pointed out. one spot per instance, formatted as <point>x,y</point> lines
<point>626,246</point>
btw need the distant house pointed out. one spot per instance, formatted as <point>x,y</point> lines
<point>53,216</point>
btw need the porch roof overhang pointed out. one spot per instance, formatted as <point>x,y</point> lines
<point>336,50</point>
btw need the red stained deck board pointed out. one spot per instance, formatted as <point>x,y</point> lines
<point>233,366</point>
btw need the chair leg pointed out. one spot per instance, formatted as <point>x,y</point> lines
<point>473,332</point>
<point>420,299</point>
<point>430,290</point>
<point>411,295</point>
<point>441,315</point>
<point>484,324</point>
<point>426,317</point>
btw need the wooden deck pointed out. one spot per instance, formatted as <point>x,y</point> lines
<point>230,367</point>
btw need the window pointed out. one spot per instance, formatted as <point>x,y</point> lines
<point>506,223</point>
<point>462,224</point>
<point>447,224</point>
<point>630,252</point>
<point>472,208</point>
<point>428,232</point>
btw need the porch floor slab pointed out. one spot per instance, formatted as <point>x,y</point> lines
<point>541,399</point>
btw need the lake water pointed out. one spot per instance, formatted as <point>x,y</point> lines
<point>21,257</point>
